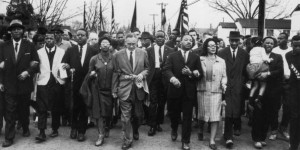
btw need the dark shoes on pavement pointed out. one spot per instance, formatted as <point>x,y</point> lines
<point>200,136</point>
<point>136,135</point>
<point>229,144</point>
<point>126,146</point>
<point>158,128</point>
<point>152,131</point>
<point>54,134</point>
<point>26,133</point>
<point>73,134</point>
<point>185,146</point>
<point>7,143</point>
<point>237,132</point>
<point>106,132</point>
<point>213,146</point>
<point>80,137</point>
<point>41,137</point>
<point>174,135</point>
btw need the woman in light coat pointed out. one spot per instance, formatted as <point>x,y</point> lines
<point>210,89</point>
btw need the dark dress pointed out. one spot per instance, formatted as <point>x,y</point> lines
<point>102,101</point>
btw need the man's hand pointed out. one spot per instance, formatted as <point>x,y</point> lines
<point>23,75</point>
<point>196,73</point>
<point>139,78</point>
<point>114,95</point>
<point>34,64</point>
<point>2,64</point>
<point>186,71</point>
<point>66,66</point>
<point>93,74</point>
<point>1,87</point>
<point>262,75</point>
<point>175,82</point>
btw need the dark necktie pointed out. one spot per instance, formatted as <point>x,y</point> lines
<point>80,52</point>
<point>16,47</point>
<point>131,59</point>
<point>184,56</point>
<point>160,56</point>
<point>233,55</point>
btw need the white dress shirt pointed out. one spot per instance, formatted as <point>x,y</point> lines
<point>84,47</point>
<point>133,57</point>
<point>18,49</point>
<point>187,55</point>
<point>235,52</point>
<point>156,51</point>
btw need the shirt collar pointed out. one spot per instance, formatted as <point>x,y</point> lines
<point>231,49</point>
<point>14,42</point>
<point>128,51</point>
<point>162,47</point>
<point>83,47</point>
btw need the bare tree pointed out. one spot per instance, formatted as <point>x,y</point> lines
<point>93,16</point>
<point>248,9</point>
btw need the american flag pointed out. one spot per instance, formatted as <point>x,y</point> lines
<point>113,29</point>
<point>183,18</point>
<point>101,23</point>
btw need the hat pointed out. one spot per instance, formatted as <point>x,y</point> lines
<point>57,28</point>
<point>146,35</point>
<point>15,24</point>
<point>234,35</point>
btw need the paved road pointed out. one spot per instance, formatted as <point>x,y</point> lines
<point>161,141</point>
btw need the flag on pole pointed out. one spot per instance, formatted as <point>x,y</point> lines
<point>183,19</point>
<point>113,29</point>
<point>84,17</point>
<point>133,21</point>
<point>163,17</point>
<point>101,24</point>
<point>169,30</point>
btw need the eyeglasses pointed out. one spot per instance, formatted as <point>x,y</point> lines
<point>212,46</point>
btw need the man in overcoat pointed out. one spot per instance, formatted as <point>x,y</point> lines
<point>236,60</point>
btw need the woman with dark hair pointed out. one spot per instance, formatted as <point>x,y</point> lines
<point>210,89</point>
<point>98,82</point>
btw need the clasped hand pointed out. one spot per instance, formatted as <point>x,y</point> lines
<point>23,75</point>
<point>186,71</point>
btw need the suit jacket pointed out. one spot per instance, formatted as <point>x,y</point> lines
<point>198,50</point>
<point>72,57</point>
<point>122,68</point>
<point>236,75</point>
<point>173,68</point>
<point>151,57</point>
<point>219,76</point>
<point>44,75</point>
<point>14,67</point>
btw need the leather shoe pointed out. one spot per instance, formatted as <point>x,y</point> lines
<point>213,146</point>
<point>185,146</point>
<point>106,132</point>
<point>41,137</point>
<point>26,133</point>
<point>151,132</point>
<point>7,143</point>
<point>174,135</point>
<point>200,136</point>
<point>158,128</point>
<point>237,132</point>
<point>54,134</point>
<point>80,137</point>
<point>126,146</point>
<point>229,144</point>
<point>136,136</point>
<point>73,134</point>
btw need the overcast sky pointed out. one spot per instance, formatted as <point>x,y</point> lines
<point>200,14</point>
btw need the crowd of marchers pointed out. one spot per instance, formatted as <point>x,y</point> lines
<point>90,78</point>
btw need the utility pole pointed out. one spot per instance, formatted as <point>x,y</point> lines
<point>261,18</point>
<point>163,6</point>
<point>153,22</point>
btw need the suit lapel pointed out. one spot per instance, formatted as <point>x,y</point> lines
<point>127,60</point>
<point>152,57</point>
<point>21,51</point>
<point>12,52</point>
<point>238,56</point>
<point>180,57</point>
<point>229,55</point>
<point>87,53</point>
<point>137,58</point>
<point>45,56</point>
<point>166,51</point>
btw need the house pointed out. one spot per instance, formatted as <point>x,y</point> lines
<point>249,27</point>
<point>295,17</point>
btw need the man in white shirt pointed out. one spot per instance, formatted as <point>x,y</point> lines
<point>282,49</point>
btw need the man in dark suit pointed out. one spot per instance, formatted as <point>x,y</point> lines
<point>267,115</point>
<point>129,85</point>
<point>172,41</point>
<point>1,98</point>
<point>293,60</point>
<point>236,60</point>
<point>157,55</point>
<point>77,59</point>
<point>182,70</point>
<point>20,62</point>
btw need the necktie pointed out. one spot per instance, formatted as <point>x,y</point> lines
<point>184,56</point>
<point>233,55</point>
<point>160,56</point>
<point>131,59</point>
<point>16,47</point>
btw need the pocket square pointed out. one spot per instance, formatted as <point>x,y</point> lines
<point>27,54</point>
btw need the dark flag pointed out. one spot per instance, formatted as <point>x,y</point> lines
<point>101,24</point>
<point>163,17</point>
<point>169,30</point>
<point>133,21</point>
<point>84,18</point>
<point>113,30</point>
<point>296,9</point>
<point>183,19</point>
